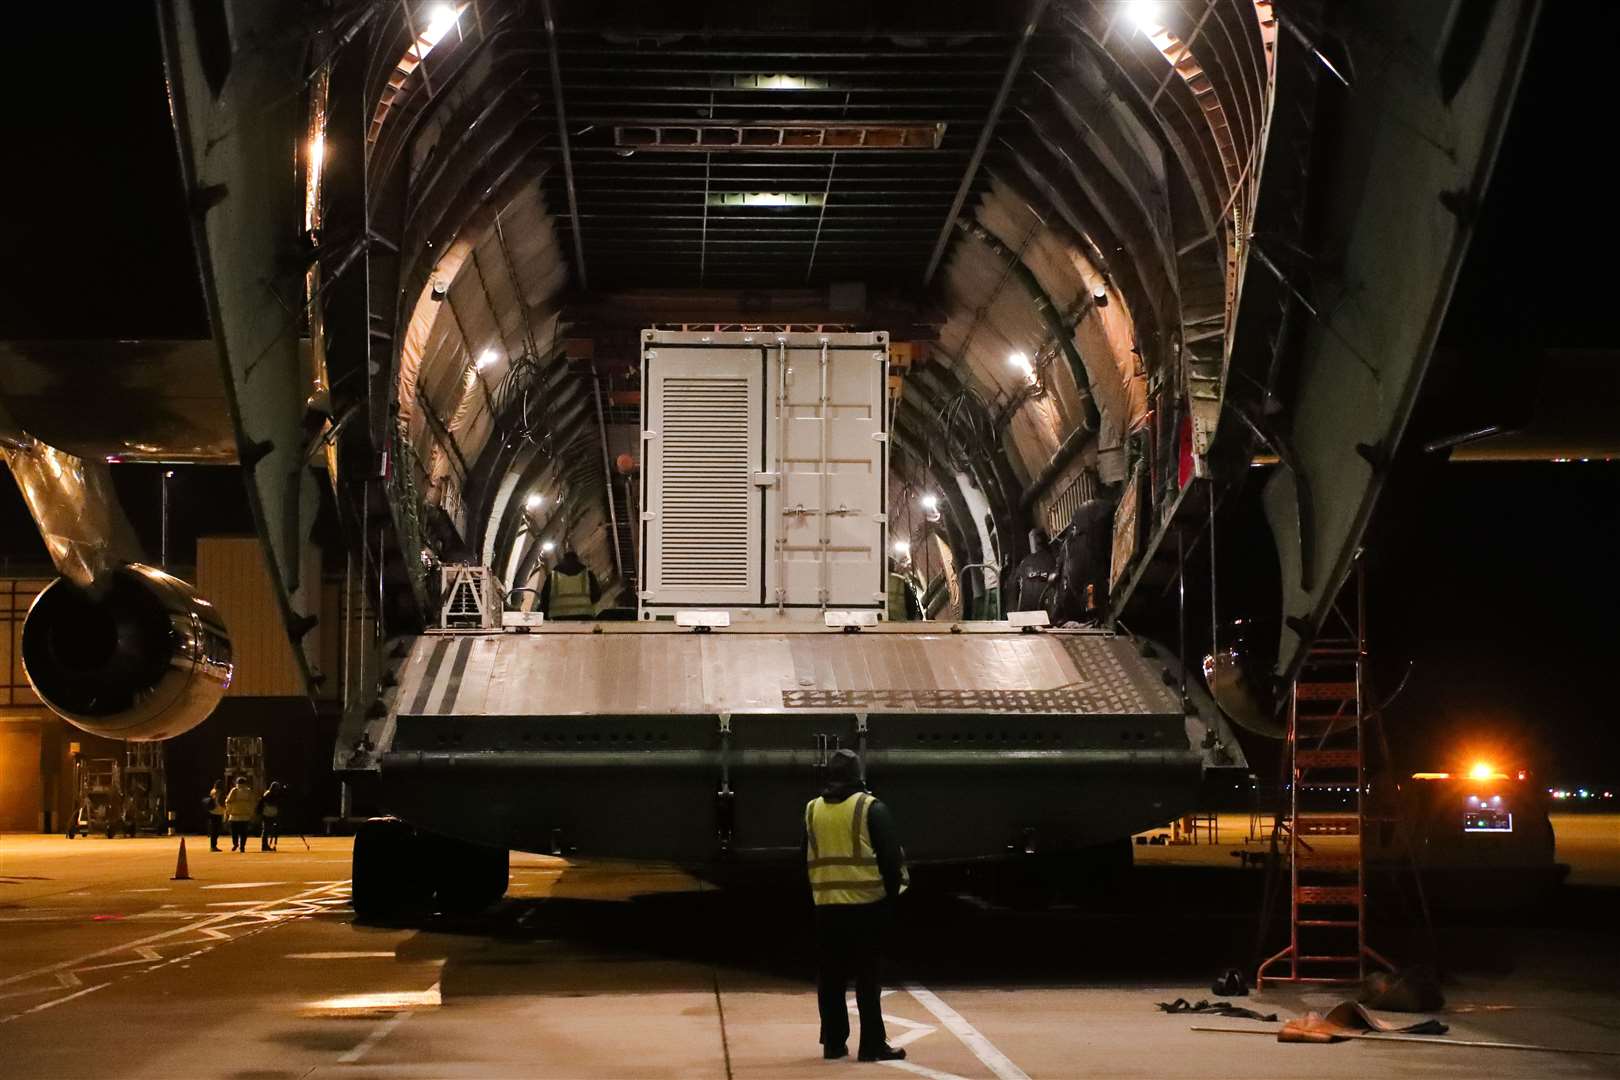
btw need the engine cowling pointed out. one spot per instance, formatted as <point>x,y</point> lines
<point>138,656</point>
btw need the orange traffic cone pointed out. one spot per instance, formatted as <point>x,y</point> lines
<point>180,871</point>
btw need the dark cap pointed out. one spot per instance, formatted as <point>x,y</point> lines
<point>844,767</point>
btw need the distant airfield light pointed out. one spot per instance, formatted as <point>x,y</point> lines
<point>1146,15</point>
<point>1484,770</point>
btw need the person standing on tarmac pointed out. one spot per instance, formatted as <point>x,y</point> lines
<point>240,805</point>
<point>857,870</point>
<point>270,816</point>
<point>571,590</point>
<point>215,803</point>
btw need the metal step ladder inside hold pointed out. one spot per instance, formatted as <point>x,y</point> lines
<point>1327,931</point>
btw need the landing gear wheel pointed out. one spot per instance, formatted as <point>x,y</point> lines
<point>387,878</point>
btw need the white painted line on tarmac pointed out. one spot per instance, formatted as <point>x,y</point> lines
<point>246,885</point>
<point>80,961</point>
<point>340,956</point>
<point>982,1048</point>
<point>53,1003</point>
<point>369,1043</point>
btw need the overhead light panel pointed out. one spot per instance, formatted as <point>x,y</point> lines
<point>774,82</point>
<point>765,198</point>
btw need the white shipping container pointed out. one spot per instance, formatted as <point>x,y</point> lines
<point>765,459</point>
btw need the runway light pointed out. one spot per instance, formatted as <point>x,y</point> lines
<point>535,501</point>
<point>1146,15</point>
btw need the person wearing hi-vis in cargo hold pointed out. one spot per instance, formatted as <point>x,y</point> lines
<point>856,869</point>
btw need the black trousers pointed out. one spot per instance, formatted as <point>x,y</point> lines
<point>214,821</point>
<point>239,834</point>
<point>849,945</point>
<point>271,831</point>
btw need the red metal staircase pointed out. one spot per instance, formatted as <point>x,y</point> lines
<point>1327,931</point>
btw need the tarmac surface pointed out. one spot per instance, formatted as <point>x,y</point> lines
<point>256,970</point>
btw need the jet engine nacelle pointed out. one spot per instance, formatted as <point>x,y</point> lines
<point>138,656</point>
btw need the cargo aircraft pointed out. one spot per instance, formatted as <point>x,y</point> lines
<point>759,310</point>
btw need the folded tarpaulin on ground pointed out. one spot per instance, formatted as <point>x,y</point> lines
<point>1349,1018</point>
<point>1408,990</point>
<point>1219,1008</point>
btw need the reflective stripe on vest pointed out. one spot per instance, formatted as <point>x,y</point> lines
<point>842,863</point>
<point>898,595</point>
<point>570,596</point>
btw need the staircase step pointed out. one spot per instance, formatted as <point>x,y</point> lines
<point>1329,922</point>
<point>1348,895</point>
<point>1324,691</point>
<point>1327,759</point>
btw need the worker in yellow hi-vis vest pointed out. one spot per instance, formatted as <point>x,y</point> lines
<point>571,590</point>
<point>857,869</point>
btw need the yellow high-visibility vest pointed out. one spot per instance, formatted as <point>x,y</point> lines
<point>843,865</point>
<point>570,596</point>
<point>899,593</point>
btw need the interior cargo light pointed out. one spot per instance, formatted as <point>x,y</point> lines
<point>535,501</point>
<point>486,358</point>
<point>548,547</point>
<point>440,18</point>
<point>1146,15</point>
<point>902,549</point>
<point>1021,362</point>
<point>930,502</point>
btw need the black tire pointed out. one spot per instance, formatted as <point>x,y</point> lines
<point>387,877</point>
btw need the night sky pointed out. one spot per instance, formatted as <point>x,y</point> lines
<point>1496,583</point>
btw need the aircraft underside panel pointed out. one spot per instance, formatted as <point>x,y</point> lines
<point>1399,214</point>
<point>644,741</point>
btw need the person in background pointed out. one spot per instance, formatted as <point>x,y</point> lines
<point>214,802</point>
<point>903,605</point>
<point>857,870</point>
<point>270,815</point>
<point>240,806</point>
<point>571,590</point>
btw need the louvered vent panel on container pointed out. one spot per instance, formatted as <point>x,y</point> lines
<point>706,490</point>
<point>702,532</point>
